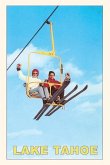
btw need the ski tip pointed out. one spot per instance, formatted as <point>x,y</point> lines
<point>76,86</point>
<point>86,86</point>
<point>37,118</point>
<point>47,114</point>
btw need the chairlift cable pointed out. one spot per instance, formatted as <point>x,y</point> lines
<point>33,36</point>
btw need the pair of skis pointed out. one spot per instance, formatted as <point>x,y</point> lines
<point>54,97</point>
<point>62,101</point>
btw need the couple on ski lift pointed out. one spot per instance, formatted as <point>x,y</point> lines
<point>43,88</point>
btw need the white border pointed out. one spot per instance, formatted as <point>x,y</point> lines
<point>106,80</point>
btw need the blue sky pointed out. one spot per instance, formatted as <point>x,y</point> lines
<point>78,40</point>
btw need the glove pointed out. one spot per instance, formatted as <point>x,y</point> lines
<point>24,84</point>
<point>46,80</point>
<point>41,84</point>
<point>67,76</point>
<point>18,67</point>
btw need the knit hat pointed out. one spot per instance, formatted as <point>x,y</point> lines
<point>35,70</point>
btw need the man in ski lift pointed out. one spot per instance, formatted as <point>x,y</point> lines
<point>56,86</point>
<point>34,83</point>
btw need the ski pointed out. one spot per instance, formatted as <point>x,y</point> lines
<point>73,90</point>
<point>66,101</point>
<point>45,107</point>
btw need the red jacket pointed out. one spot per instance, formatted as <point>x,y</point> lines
<point>52,81</point>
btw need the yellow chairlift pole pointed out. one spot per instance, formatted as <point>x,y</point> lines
<point>45,53</point>
<point>52,37</point>
<point>53,50</point>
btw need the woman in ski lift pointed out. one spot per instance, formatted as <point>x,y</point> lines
<point>34,85</point>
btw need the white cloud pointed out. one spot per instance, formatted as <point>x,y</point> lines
<point>51,66</point>
<point>98,78</point>
<point>29,132</point>
<point>92,90</point>
<point>73,70</point>
<point>44,63</point>
<point>89,106</point>
<point>37,61</point>
<point>85,105</point>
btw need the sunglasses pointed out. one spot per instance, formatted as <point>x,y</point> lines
<point>34,73</point>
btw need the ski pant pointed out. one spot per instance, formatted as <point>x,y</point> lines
<point>43,91</point>
<point>53,90</point>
